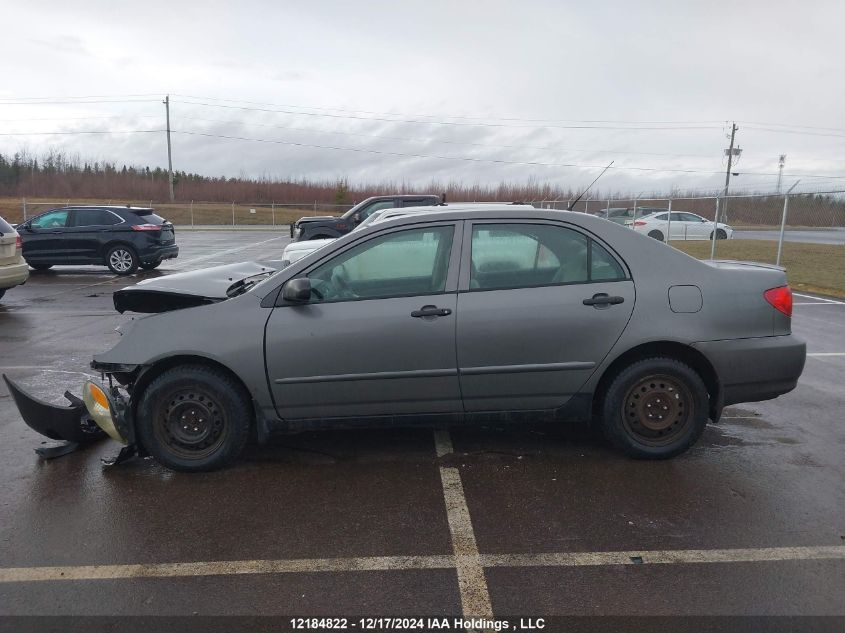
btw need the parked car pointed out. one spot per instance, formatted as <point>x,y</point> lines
<point>13,269</point>
<point>122,238</point>
<point>297,250</point>
<point>681,225</point>
<point>328,226</point>
<point>450,317</point>
<point>621,215</point>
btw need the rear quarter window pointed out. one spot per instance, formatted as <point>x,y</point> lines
<point>5,227</point>
<point>149,217</point>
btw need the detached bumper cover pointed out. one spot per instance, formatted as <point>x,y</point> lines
<point>71,424</point>
<point>755,369</point>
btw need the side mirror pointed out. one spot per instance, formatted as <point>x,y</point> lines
<point>297,290</point>
<point>357,218</point>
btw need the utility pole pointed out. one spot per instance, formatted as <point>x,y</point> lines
<point>169,157</point>
<point>730,152</point>
<point>781,162</point>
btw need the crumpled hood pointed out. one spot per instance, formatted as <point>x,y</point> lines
<point>188,289</point>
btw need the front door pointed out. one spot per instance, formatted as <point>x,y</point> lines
<point>526,339</point>
<point>43,238</point>
<point>378,335</point>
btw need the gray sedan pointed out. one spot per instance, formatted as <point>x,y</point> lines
<point>454,317</point>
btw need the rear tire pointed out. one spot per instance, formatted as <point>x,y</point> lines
<point>655,408</point>
<point>41,267</point>
<point>122,260</point>
<point>150,265</point>
<point>194,418</point>
<point>658,235</point>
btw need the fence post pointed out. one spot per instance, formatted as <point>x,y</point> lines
<point>783,221</point>
<point>24,209</point>
<point>233,213</point>
<point>635,214</point>
<point>192,213</point>
<point>669,226</point>
<point>713,235</point>
<point>273,211</point>
<point>587,205</point>
<point>315,207</point>
<point>607,211</point>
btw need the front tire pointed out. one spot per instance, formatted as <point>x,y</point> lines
<point>122,260</point>
<point>194,418</point>
<point>720,234</point>
<point>656,408</point>
<point>658,235</point>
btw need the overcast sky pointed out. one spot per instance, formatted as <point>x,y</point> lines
<point>540,86</point>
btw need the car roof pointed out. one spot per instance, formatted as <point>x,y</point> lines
<point>391,214</point>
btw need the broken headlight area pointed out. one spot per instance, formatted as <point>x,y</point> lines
<point>102,411</point>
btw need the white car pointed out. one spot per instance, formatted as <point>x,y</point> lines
<point>13,268</point>
<point>297,250</point>
<point>680,226</point>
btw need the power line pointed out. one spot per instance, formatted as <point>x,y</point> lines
<point>32,103</point>
<point>475,159</point>
<point>79,132</point>
<point>451,123</point>
<point>431,140</point>
<point>805,133</point>
<point>443,116</point>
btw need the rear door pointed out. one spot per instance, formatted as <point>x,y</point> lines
<point>378,336</point>
<point>87,232</point>
<point>44,237</point>
<point>525,337</point>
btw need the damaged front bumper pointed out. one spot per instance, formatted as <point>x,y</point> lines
<point>102,411</point>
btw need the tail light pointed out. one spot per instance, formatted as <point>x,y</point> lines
<point>780,298</point>
<point>640,223</point>
<point>18,243</point>
<point>146,227</point>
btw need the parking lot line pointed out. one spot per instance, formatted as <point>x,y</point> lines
<point>403,563</point>
<point>472,584</point>
<point>827,354</point>
<point>666,557</point>
<point>202,258</point>
<point>798,294</point>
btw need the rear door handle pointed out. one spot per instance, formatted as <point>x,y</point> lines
<point>430,311</point>
<point>603,299</point>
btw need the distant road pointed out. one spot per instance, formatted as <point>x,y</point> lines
<point>811,236</point>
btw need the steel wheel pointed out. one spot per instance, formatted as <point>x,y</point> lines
<point>657,409</point>
<point>191,424</point>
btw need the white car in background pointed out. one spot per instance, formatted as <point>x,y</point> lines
<point>297,250</point>
<point>681,225</point>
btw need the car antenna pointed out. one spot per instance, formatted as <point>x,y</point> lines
<point>581,195</point>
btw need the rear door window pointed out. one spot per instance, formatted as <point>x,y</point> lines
<point>526,255</point>
<point>51,220</point>
<point>94,217</point>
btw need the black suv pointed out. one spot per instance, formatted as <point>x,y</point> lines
<point>329,226</point>
<point>122,238</point>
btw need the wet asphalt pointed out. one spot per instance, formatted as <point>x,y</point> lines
<point>769,475</point>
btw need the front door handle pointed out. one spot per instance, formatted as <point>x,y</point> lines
<point>602,299</point>
<point>430,311</point>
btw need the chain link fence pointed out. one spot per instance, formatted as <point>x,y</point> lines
<point>766,228</point>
